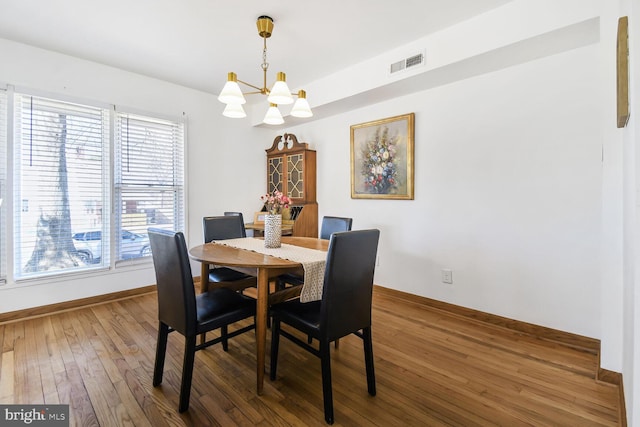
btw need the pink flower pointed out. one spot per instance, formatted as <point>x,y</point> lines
<point>275,202</point>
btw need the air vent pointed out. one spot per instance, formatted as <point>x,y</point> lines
<point>409,62</point>
<point>415,60</point>
<point>398,66</point>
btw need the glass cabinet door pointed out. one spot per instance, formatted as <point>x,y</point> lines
<point>295,176</point>
<point>275,171</point>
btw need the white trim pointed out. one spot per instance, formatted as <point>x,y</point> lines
<point>61,97</point>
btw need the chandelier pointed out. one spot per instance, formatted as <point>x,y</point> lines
<point>279,94</point>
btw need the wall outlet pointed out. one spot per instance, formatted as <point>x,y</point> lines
<point>447,276</point>
<point>377,261</point>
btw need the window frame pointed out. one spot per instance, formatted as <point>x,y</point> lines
<point>180,188</point>
<point>65,104</point>
<point>9,205</point>
<point>5,270</point>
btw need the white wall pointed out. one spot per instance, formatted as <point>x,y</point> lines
<point>225,159</point>
<point>537,226</point>
<point>631,290</point>
<point>507,192</point>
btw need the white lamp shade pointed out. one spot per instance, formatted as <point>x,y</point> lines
<point>280,93</point>
<point>235,111</point>
<point>301,108</point>
<point>231,94</point>
<point>273,116</point>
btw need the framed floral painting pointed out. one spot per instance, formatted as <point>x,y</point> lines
<point>382,159</point>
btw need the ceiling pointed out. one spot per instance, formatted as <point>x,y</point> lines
<point>195,43</point>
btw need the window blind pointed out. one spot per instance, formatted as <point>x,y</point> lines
<point>149,180</point>
<point>3,185</point>
<point>61,186</point>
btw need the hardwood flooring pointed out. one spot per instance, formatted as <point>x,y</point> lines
<point>432,368</point>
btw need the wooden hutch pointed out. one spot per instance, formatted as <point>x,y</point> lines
<point>291,169</point>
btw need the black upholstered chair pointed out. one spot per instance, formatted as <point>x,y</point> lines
<point>223,228</point>
<point>330,225</point>
<point>334,224</point>
<point>179,309</point>
<point>244,231</point>
<point>345,308</point>
<point>228,226</point>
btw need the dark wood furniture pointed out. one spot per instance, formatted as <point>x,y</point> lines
<point>291,169</point>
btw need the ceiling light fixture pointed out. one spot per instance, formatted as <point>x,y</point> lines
<point>232,95</point>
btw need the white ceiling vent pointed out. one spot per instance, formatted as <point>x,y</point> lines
<point>412,61</point>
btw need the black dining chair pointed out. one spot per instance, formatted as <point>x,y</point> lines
<point>223,228</point>
<point>334,224</point>
<point>179,309</point>
<point>345,308</point>
<point>229,213</point>
<point>330,225</point>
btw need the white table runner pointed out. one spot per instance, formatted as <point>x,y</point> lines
<point>313,261</point>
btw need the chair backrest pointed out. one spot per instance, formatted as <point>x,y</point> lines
<point>334,224</point>
<point>348,282</point>
<point>223,227</point>
<point>244,232</point>
<point>176,294</point>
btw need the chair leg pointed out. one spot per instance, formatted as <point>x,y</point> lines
<point>225,341</point>
<point>161,350</point>
<point>368,361</point>
<point>327,392</point>
<point>187,372</point>
<point>275,344</point>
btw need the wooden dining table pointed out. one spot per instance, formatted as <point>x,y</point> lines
<point>265,268</point>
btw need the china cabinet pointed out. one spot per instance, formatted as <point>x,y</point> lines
<point>291,169</point>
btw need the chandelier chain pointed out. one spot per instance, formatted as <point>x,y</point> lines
<point>265,64</point>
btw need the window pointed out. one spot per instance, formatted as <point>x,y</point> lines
<point>61,179</point>
<point>73,209</point>
<point>3,185</point>
<point>149,183</point>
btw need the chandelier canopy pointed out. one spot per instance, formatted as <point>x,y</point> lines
<point>279,94</point>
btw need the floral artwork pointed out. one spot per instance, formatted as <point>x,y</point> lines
<point>382,159</point>
<point>379,172</point>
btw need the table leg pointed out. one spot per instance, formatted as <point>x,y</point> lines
<point>204,286</point>
<point>262,304</point>
<point>204,276</point>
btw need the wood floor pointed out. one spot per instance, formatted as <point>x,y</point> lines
<point>432,368</point>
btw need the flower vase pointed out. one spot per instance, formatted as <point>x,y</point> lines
<point>272,230</point>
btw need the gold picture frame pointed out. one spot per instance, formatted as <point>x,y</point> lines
<point>622,72</point>
<point>382,158</point>
<point>258,217</point>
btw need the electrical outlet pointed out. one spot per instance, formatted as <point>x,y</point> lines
<point>447,276</point>
<point>377,261</point>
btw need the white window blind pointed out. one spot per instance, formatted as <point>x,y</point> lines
<point>61,186</point>
<point>149,180</point>
<point>3,186</point>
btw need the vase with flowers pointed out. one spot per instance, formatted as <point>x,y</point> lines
<point>274,203</point>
